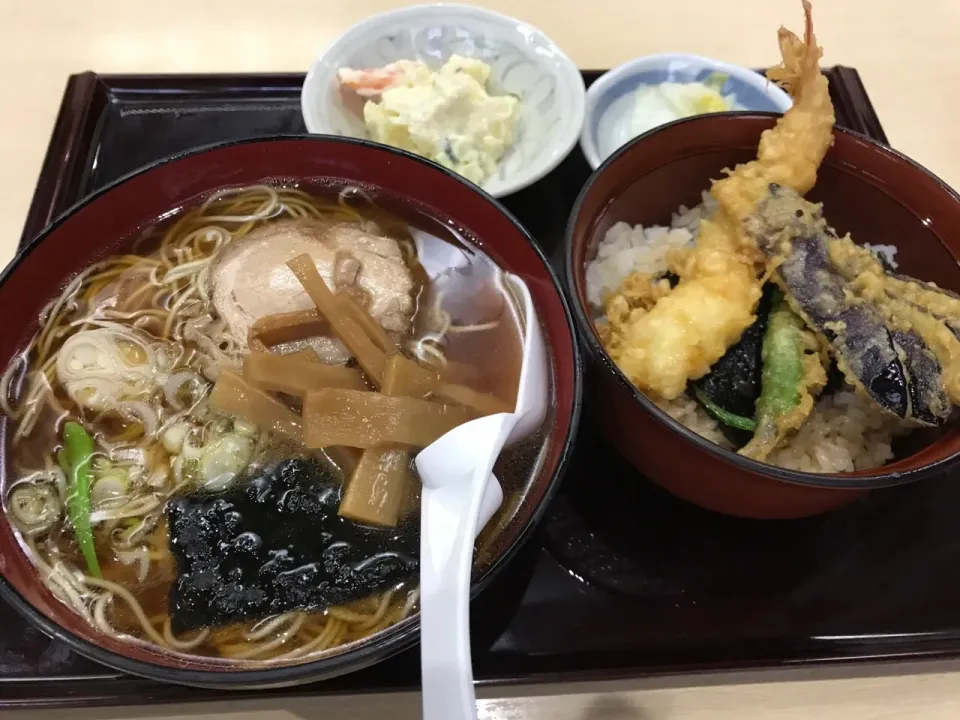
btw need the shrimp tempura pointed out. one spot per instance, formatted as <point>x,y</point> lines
<point>691,327</point>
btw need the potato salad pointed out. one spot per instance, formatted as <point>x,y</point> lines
<point>447,116</point>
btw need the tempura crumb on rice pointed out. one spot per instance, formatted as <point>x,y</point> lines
<point>631,249</point>
<point>628,249</point>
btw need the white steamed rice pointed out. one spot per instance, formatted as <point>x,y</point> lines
<point>845,432</point>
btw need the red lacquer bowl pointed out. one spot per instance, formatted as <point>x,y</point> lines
<point>91,229</point>
<point>869,190</point>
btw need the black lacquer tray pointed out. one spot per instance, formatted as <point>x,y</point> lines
<point>621,580</point>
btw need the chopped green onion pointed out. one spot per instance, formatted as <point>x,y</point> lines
<point>75,459</point>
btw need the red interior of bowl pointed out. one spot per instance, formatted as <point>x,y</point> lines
<point>93,230</point>
<point>869,191</point>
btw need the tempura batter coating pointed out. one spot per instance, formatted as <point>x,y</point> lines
<point>691,327</point>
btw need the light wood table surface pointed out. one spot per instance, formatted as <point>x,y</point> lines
<point>907,53</point>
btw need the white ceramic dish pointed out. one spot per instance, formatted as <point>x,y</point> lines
<point>611,99</point>
<point>524,62</point>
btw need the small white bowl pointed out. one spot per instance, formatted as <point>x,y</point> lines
<point>610,100</point>
<point>524,61</point>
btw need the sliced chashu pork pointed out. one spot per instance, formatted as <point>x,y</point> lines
<point>250,278</point>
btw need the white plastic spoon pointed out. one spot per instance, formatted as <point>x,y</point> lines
<point>459,497</point>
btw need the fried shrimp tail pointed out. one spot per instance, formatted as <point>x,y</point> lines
<point>691,327</point>
<point>790,153</point>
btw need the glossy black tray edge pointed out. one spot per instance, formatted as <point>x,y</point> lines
<point>65,173</point>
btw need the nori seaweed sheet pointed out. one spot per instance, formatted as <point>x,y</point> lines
<point>734,381</point>
<point>275,545</point>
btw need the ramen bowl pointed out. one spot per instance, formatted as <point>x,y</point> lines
<point>868,190</point>
<point>100,225</point>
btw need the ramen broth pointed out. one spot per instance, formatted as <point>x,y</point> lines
<point>128,357</point>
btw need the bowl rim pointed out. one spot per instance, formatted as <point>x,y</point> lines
<point>391,640</point>
<point>643,63</point>
<point>563,144</point>
<point>865,481</point>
